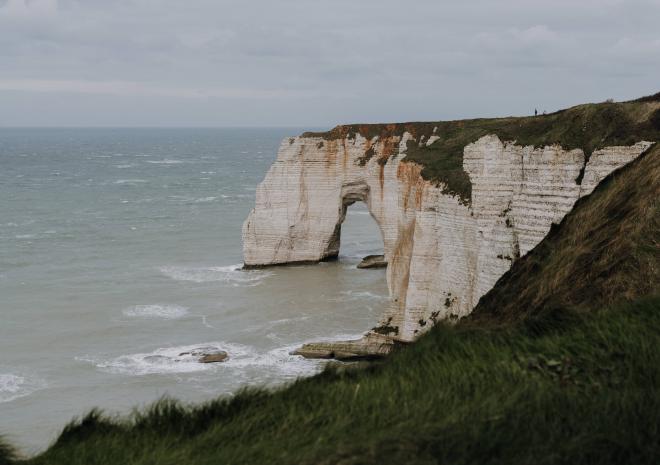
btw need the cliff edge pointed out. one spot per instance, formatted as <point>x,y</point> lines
<point>457,202</point>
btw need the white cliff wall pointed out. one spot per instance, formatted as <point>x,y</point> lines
<point>443,254</point>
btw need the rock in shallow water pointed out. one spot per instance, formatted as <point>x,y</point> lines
<point>373,261</point>
<point>214,358</point>
<point>207,354</point>
<point>371,346</point>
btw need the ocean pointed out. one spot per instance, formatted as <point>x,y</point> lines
<point>120,249</point>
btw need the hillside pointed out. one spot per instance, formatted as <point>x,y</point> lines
<point>559,364</point>
<point>604,252</point>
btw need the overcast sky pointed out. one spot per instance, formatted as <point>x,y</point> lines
<point>316,63</point>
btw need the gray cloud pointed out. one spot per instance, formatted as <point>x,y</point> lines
<point>316,63</point>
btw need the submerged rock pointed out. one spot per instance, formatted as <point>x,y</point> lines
<point>220,356</point>
<point>207,354</point>
<point>373,261</point>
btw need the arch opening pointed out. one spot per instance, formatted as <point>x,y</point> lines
<point>357,235</point>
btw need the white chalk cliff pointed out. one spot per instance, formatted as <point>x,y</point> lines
<point>444,251</point>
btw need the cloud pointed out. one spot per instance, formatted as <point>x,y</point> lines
<point>322,62</point>
<point>128,88</point>
<point>28,9</point>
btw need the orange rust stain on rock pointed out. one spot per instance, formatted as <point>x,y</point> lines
<point>410,175</point>
<point>388,146</point>
<point>381,178</point>
<point>331,154</point>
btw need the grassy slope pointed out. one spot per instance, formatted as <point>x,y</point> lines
<point>604,251</point>
<point>587,127</point>
<point>572,387</point>
<point>7,454</point>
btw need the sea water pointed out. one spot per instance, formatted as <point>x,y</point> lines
<point>120,250</point>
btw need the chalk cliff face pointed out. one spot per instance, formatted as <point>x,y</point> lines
<point>444,251</point>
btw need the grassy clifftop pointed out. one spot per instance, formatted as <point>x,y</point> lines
<point>587,127</point>
<point>563,367</point>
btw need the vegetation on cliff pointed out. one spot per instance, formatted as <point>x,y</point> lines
<point>562,367</point>
<point>587,127</point>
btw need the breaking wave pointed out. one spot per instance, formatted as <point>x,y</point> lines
<point>177,360</point>
<point>168,312</point>
<point>14,386</point>
<point>233,274</point>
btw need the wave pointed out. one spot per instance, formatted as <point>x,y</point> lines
<point>130,181</point>
<point>233,274</point>
<point>236,196</point>
<point>165,162</point>
<point>358,212</point>
<point>160,361</point>
<point>168,312</point>
<point>244,364</point>
<point>358,295</point>
<point>278,363</point>
<point>178,360</point>
<point>14,386</point>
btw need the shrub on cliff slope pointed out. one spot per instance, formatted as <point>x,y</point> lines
<point>583,388</point>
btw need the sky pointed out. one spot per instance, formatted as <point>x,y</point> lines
<point>317,63</point>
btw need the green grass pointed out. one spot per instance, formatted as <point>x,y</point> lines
<point>584,390</point>
<point>7,453</point>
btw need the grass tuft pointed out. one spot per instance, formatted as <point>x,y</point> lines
<point>8,455</point>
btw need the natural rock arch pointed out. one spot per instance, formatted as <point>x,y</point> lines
<point>444,253</point>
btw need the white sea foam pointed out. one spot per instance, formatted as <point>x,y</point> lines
<point>14,386</point>
<point>277,362</point>
<point>165,162</point>
<point>363,295</point>
<point>176,360</point>
<point>233,274</point>
<point>358,212</point>
<point>161,361</point>
<point>168,312</point>
<point>130,181</point>
<point>358,295</point>
<point>205,199</point>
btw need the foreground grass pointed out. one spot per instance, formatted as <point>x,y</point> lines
<point>586,389</point>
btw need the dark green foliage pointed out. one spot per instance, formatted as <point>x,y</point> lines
<point>583,389</point>
<point>368,154</point>
<point>7,453</point>
<point>386,329</point>
<point>649,98</point>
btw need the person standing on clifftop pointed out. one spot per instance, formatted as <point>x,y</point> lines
<point>536,112</point>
